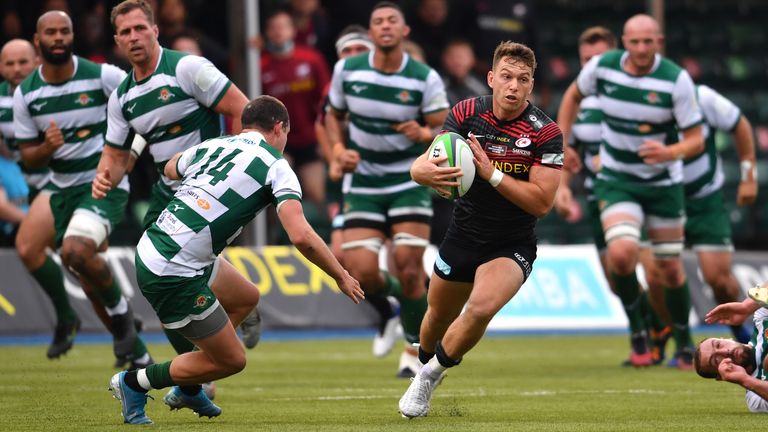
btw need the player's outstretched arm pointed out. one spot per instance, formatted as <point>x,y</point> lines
<point>314,248</point>
<point>734,313</point>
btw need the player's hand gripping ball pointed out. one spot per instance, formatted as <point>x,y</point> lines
<point>456,148</point>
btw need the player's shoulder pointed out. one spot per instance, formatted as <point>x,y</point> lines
<point>416,69</point>
<point>87,69</point>
<point>537,117</point>
<point>32,82</point>
<point>611,58</point>
<point>357,62</point>
<point>667,70</point>
<point>5,89</point>
<point>172,58</point>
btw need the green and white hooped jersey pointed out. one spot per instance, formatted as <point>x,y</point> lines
<point>639,108</point>
<point>375,102</point>
<point>760,344</point>
<point>225,182</point>
<point>704,173</point>
<point>172,108</point>
<point>585,133</point>
<point>79,108</point>
<point>36,178</point>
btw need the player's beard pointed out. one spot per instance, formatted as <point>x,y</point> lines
<point>749,363</point>
<point>56,59</point>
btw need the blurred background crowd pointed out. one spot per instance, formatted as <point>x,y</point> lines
<point>720,43</point>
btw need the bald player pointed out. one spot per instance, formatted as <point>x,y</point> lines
<point>36,233</point>
<point>60,113</point>
<point>645,99</point>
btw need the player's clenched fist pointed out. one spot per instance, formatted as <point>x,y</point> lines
<point>53,136</point>
<point>101,185</point>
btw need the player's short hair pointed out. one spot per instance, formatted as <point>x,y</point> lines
<point>128,6</point>
<point>597,34</point>
<point>388,4</point>
<point>263,113</point>
<point>698,365</point>
<point>517,52</point>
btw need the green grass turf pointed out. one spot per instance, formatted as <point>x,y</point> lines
<point>520,383</point>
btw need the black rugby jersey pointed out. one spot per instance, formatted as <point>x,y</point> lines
<point>532,139</point>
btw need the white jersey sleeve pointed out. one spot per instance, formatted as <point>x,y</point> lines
<point>283,181</point>
<point>586,82</point>
<point>336,90</point>
<point>188,156</point>
<point>111,77</point>
<point>435,97</point>
<point>200,79</point>
<point>118,129</point>
<point>718,111</point>
<point>685,104</point>
<point>23,125</point>
<point>755,403</point>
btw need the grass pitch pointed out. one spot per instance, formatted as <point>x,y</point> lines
<point>520,383</point>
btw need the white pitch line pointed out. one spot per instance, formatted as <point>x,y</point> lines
<point>479,393</point>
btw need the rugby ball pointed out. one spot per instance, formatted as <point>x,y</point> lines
<point>459,154</point>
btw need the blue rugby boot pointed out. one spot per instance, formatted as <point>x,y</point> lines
<point>199,403</point>
<point>132,402</point>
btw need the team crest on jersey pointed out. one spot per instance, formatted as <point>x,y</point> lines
<point>405,96</point>
<point>203,204</point>
<point>652,97</point>
<point>201,301</point>
<point>165,95</point>
<point>82,133</point>
<point>83,99</point>
<point>523,141</point>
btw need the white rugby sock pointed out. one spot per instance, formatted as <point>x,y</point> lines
<point>120,308</point>
<point>433,368</point>
<point>141,377</point>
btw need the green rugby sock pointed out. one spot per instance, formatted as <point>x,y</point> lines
<point>139,349</point>
<point>678,302</point>
<point>652,319</point>
<point>110,296</point>
<point>159,375</point>
<point>628,290</point>
<point>51,280</point>
<point>411,310</point>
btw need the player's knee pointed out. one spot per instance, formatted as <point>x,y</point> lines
<point>369,278</point>
<point>28,253</point>
<point>75,253</point>
<point>623,261</point>
<point>671,272</point>
<point>233,363</point>
<point>718,280</point>
<point>412,281</point>
<point>480,313</point>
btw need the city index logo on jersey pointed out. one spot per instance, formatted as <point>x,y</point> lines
<point>512,167</point>
<point>165,95</point>
<point>83,99</point>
